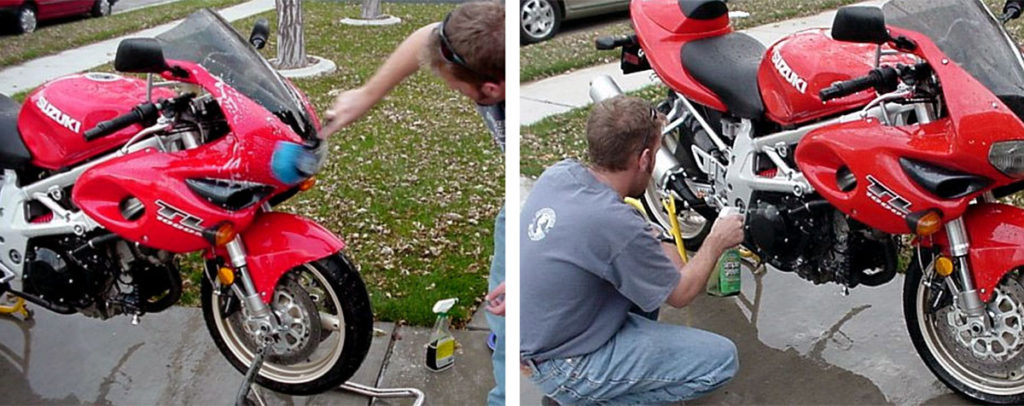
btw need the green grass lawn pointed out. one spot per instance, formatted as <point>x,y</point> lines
<point>52,39</point>
<point>568,52</point>
<point>412,188</point>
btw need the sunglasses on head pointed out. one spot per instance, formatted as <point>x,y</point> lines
<point>647,137</point>
<point>449,53</point>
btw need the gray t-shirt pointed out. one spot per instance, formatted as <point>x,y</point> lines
<point>586,258</point>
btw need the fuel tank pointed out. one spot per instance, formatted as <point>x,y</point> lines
<point>800,65</point>
<point>56,115</point>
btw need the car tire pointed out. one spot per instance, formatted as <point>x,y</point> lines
<point>25,20</point>
<point>538,20</point>
<point>101,8</point>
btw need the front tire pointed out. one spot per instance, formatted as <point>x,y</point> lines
<point>955,365</point>
<point>538,20</point>
<point>326,346</point>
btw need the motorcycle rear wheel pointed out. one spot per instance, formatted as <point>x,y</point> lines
<point>336,290</point>
<point>950,364</point>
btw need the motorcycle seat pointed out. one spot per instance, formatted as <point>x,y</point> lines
<point>13,152</point>
<point>727,65</point>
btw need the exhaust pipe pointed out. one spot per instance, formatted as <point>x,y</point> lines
<point>602,88</point>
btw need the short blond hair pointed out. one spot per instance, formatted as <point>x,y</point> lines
<point>476,31</point>
<point>616,128</point>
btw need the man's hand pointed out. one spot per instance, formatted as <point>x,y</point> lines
<point>348,107</point>
<point>496,300</point>
<point>727,232</point>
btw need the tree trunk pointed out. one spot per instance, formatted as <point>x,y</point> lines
<point>371,9</point>
<point>291,45</point>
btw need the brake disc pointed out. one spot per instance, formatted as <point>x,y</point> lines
<point>299,321</point>
<point>998,351</point>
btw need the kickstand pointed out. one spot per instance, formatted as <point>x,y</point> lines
<point>250,376</point>
<point>385,393</point>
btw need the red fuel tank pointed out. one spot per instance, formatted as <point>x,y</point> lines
<point>799,66</point>
<point>56,115</point>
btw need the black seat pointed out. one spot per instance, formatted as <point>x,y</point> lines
<point>13,153</point>
<point>727,65</point>
<point>703,9</point>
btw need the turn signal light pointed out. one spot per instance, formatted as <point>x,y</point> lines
<point>943,266</point>
<point>925,223</point>
<point>226,276</point>
<point>221,234</point>
<point>307,184</point>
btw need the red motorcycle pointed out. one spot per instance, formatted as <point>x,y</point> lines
<point>900,120</point>
<point>107,180</point>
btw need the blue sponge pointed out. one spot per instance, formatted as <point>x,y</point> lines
<point>285,162</point>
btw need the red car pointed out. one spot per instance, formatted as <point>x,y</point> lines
<point>27,13</point>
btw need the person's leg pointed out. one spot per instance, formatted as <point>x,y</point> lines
<point>644,363</point>
<point>497,324</point>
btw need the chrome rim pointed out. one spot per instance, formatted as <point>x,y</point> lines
<point>323,357</point>
<point>28,20</point>
<point>105,7</point>
<point>691,223</point>
<point>1003,376</point>
<point>537,18</point>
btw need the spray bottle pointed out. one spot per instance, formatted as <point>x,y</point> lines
<point>725,279</point>
<point>441,349</point>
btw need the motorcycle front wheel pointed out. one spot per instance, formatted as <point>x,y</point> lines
<point>327,311</point>
<point>986,367</point>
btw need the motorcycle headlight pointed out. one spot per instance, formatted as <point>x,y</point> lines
<point>229,194</point>
<point>1008,158</point>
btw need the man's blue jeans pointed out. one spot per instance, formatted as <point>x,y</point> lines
<point>497,324</point>
<point>646,362</point>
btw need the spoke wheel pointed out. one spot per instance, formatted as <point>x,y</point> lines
<point>26,19</point>
<point>539,20</point>
<point>987,367</point>
<point>325,310</point>
<point>101,8</point>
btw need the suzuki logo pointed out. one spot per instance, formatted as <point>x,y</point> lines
<point>884,196</point>
<point>179,219</point>
<point>787,73</point>
<point>55,114</point>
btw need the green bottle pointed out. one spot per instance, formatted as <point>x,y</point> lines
<point>725,279</point>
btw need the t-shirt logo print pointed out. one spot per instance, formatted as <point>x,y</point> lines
<point>543,221</point>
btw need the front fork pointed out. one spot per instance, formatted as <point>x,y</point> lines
<point>968,298</point>
<point>259,315</point>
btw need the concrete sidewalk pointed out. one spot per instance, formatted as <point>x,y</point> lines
<point>170,359</point>
<point>33,73</point>
<point>562,93</point>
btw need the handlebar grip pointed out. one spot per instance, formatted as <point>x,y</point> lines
<point>848,87</point>
<point>141,113</point>
<point>606,43</point>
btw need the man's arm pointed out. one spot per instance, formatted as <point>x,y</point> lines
<point>350,105</point>
<point>726,233</point>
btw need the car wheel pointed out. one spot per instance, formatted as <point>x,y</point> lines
<point>26,19</point>
<point>538,20</point>
<point>101,8</point>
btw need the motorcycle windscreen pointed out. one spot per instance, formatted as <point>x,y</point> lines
<point>972,37</point>
<point>205,38</point>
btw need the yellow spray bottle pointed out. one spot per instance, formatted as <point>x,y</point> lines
<point>441,349</point>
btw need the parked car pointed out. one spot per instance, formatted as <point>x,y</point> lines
<point>539,19</point>
<point>26,14</point>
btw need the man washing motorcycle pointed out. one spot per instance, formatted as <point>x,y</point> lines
<point>467,51</point>
<point>588,258</point>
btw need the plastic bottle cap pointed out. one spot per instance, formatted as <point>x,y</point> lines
<point>443,306</point>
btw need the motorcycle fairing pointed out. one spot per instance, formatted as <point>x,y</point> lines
<point>868,148</point>
<point>278,242</point>
<point>662,30</point>
<point>174,216</point>
<point>995,233</point>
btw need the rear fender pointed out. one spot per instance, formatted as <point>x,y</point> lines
<point>996,235</point>
<point>277,242</point>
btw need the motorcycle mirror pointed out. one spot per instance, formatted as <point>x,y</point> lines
<point>260,31</point>
<point>861,24</point>
<point>140,55</point>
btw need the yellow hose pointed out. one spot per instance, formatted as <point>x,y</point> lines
<point>17,307</point>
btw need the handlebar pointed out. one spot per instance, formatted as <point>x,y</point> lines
<point>881,78</point>
<point>139,114</point>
